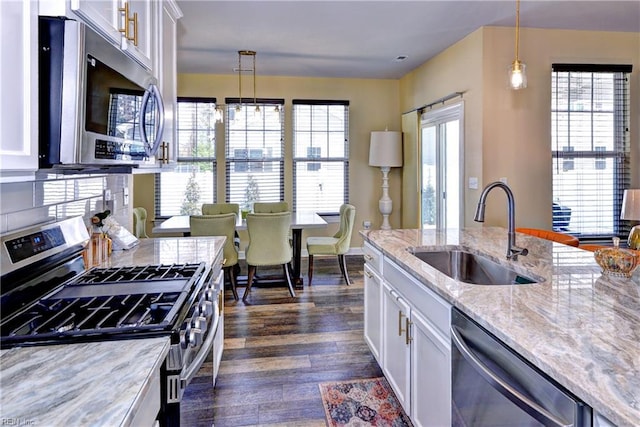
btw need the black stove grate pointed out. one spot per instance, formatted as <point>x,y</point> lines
<point>96,314</point>
<point>137,273</point>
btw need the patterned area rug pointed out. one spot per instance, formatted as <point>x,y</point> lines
<point>368,402</point>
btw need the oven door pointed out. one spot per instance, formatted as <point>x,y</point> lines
<point>494,386</point>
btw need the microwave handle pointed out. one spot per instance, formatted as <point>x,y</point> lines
<point>150,149</point>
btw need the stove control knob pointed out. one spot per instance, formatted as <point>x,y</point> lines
<point>195,337</point>
<point>199,322</point>
<point>205,309</point>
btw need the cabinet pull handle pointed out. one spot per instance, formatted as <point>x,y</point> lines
<point>125,12</point>
<point>165,153</point>
<point>368,257</point>
<point>369,275</point>
<point>400,316</point>
<point>135,28</point>
<point>408,338</point>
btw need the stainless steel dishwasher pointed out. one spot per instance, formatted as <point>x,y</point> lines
<point>494,386</point>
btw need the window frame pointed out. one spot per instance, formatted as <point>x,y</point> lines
<point>188,160</point>
<point>564,154</point>
<point>254,163</point>
<point>317,160</point>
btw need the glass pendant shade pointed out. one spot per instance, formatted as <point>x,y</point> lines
<point>517,75</point>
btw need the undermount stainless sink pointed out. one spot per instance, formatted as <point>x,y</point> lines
<point>471,268</point>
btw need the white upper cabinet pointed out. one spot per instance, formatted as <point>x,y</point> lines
<point>128,24</point>
<point>19,89</point>
<point>138,19</point>
<point>166,60</point>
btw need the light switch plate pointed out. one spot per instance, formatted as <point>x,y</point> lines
<point>473,182</point>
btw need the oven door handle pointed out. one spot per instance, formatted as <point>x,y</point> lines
<point>522,401</point>
<point>188,374</point>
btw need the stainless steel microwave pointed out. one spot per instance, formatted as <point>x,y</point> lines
<point>97,106</point>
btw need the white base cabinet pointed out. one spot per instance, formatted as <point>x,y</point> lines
<point>373,300</point>
<point>415,353</point>
<point>396,345</point>
<point>430,375</point>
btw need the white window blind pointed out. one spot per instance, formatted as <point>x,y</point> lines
<point>254,151</point>
<point>320,155</point>
<point>590,147</point>
<point>183,190</point>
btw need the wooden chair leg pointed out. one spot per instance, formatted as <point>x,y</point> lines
<point>287,274</point>
<point>252,271</point>
<point>310,271</point>
<point>342,261</point>
<point>230,272</point>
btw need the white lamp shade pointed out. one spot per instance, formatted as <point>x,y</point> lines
<point>385,149</point>
<point>631,205</point>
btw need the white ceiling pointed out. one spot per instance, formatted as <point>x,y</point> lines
<point>362,38</point>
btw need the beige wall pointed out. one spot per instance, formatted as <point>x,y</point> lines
<point>507,133</point>
<point>457,69</point>
<point>374,105</point>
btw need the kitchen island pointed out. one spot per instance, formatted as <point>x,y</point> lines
<point>110,383</point>
<point>100,384</point>
<point>578,326</point>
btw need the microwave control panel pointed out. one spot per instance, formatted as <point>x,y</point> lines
<point>116,150</point>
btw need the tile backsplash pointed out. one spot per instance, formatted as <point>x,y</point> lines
<point>54,197</point>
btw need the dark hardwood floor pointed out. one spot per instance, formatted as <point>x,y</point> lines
<point>278,349</point>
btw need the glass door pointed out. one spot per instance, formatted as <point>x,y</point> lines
<point>441,168</point>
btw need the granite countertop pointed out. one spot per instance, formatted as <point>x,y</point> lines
<point>580,327</point>
<point>169,250</point>
<point>99,383</point>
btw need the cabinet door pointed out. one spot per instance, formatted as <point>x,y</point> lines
<point>19,87</point>
<point>142,31</point>
<point>166,60</point>
<point>108,18</point>
<point>430,375</point>
<point>102,15</point>
<point>372,310</point>
<point>395,345</point>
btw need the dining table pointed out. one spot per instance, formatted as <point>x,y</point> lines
<point>300,220</point>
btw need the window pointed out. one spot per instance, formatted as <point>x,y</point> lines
<point>183,190</point>
<point>590,147</point>
<point>254,151</point>
<point>320,155</point>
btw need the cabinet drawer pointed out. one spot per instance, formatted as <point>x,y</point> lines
<point>435,309</point>
<point>373,257</point>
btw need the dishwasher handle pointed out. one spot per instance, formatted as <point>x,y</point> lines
<point>522,401</point>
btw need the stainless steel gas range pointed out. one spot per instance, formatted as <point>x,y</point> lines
<point>49,298</point>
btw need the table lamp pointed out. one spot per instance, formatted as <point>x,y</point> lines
<point>385,151</point>
<point>631,211</point>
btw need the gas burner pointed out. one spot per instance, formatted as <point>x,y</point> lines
<point>137,274</point>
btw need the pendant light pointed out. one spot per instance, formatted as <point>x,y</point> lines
<point>241,54</point>
<point>517,70</point>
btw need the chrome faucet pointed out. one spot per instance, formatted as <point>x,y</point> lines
<point>512,250</point>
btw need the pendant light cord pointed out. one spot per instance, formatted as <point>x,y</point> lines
<point>517,28</point>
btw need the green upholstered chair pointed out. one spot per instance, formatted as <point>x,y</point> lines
<point>140,222</point>
<point>220,225</point>
<point>220,208</point>
<point>224,208</point>
<point>268,245</point>
<point>336,245</point>
<point>270,207</point>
